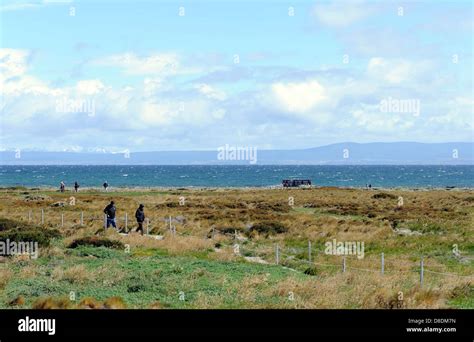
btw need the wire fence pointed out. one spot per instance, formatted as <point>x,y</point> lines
<point>169,224</point>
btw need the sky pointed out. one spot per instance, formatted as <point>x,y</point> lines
<point>141,75</point>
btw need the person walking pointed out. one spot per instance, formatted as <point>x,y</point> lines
<point>62,186</point>
<point>140,216</point>
<point>76,186</point>
<point>105,185</point>
<point>110,210</point>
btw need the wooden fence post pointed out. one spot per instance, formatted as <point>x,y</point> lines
<point>383,263</point>
<point>344,264</point>
<point>277,254</point>
<point>105,221</point>
<point>147,226</point>
<point>82,218</point>
<point>62,220</point>
<point>126,221</point>
<point>421,271</point>
<point>309,251</point>
<point>42,216</point>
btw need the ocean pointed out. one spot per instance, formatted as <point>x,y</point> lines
<point>422,176</point>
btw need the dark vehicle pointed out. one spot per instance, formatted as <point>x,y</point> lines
<point>294,183</point>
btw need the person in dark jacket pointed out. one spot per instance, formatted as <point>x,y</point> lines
<point>140,216</point>
<point>62,186</point>
<point>76,186</point>
<point>110,211</point>
<point>105,185</point>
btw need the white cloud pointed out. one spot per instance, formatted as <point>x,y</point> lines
<point>299,97</point>
<point>371,119</point>
<point>157,64</point>
<point>89,87</point>
<point>12,63</point>
<point>342,14</point>
<point>19,5</point>
<point>211,92</point>
<point>396,70</point>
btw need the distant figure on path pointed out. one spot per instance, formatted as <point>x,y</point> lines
<point>140,216</point>
<point>370,186</point>
<point>110,212</point>
<point>105,185</point>
<point>62,186</point>
<point>76,186</point>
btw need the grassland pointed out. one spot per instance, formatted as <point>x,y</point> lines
<point>223,254</point>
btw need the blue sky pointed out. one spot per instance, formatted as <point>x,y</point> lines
<point>137,75</point>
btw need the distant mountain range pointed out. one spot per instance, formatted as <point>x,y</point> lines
<point>398,153</point>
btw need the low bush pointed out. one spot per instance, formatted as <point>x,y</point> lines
<point>268,228</point>
<point>384,195</point>
<point>96,241</point>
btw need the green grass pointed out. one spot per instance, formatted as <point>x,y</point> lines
<point>146,279</point>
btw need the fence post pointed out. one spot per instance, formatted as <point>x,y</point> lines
<point>82,218</point>
<point>29,216</point>
<point>421,271</point>
<point>277,254</point>
<point>213,232</point>
<point>344,264</point>
<point>62,220</point>
<point>105,221</point>
<point>42,216</point>
<point>147,226</point>
<point>383,263</point>
<point>309,251</point>
<point>126,221</point>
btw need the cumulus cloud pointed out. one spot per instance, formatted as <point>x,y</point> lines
<point>210,91</point>
<point>299,97</point>
<point>340,14</point>
<point>130,63</point>
<point>293,108</point>
<point>397,70</point>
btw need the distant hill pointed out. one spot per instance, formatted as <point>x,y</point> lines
<point>404,153</point>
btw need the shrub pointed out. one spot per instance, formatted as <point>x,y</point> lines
<point>136,288</point>
<point>22,232</point>
<point>462,291</point>
<point>312,271</point>
<point>114,303</point>
<point>18,301</point>
<point>96,241</point>
<point>52,303</point>
<point>89,303</point>
<point>42,236</point>
<point>384,195</point>
<point>268,228</point>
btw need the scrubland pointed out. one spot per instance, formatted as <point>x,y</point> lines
<point>223,254</point>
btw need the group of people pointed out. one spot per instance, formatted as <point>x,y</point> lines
<point>110,210</point>
<point>62,186</point>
